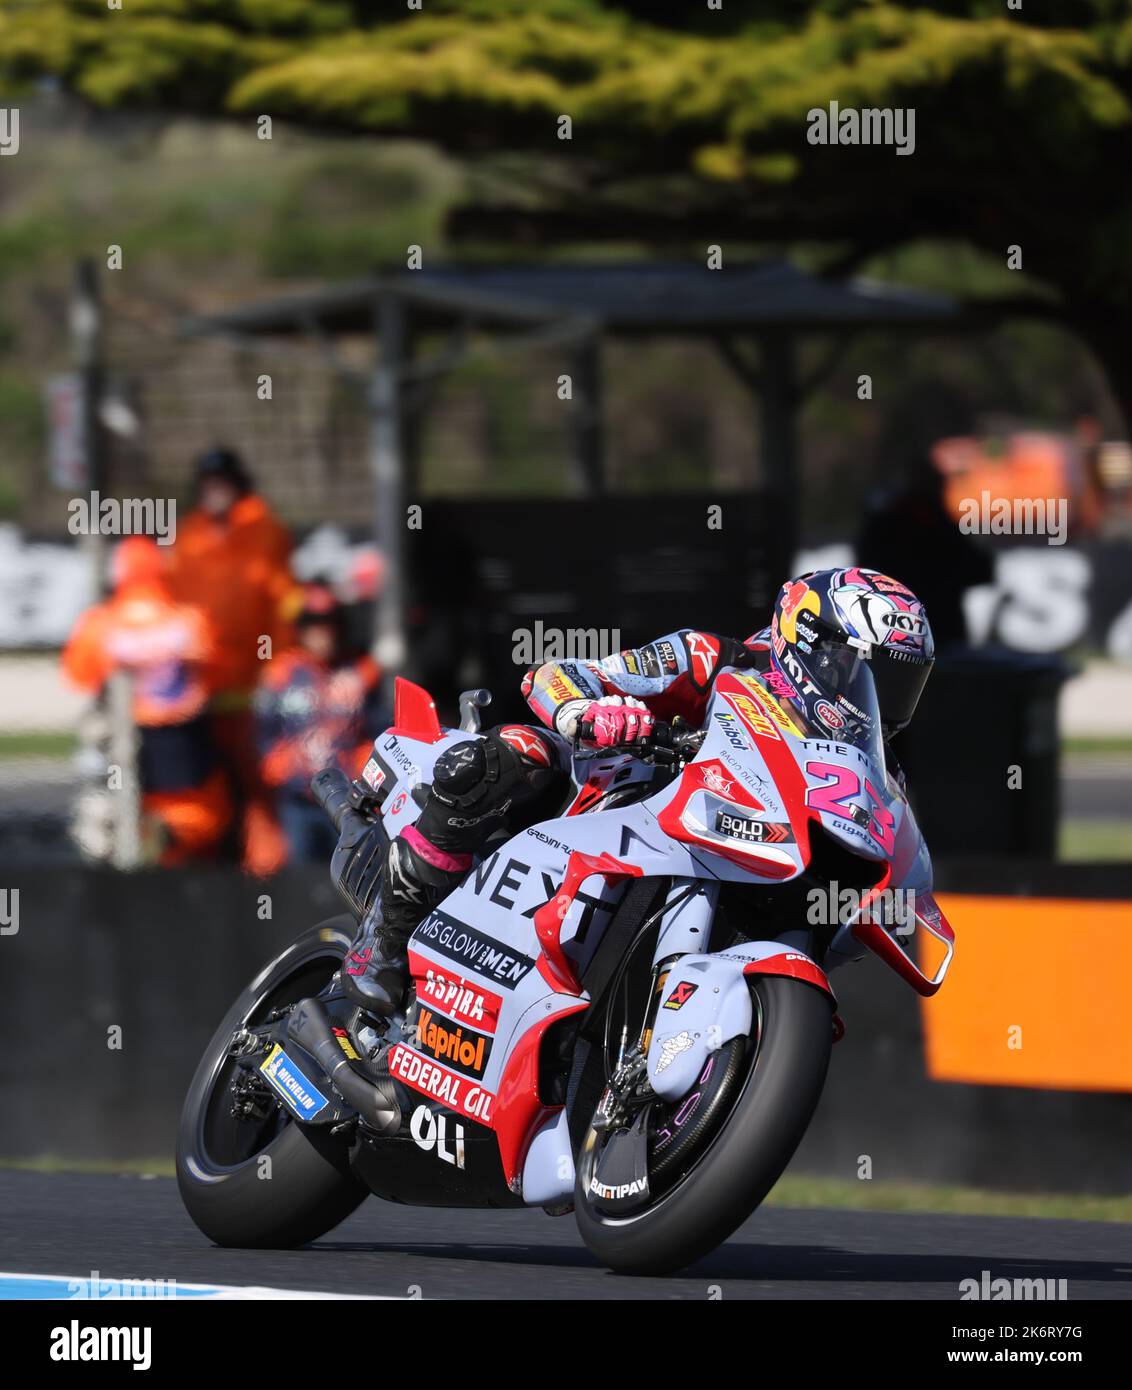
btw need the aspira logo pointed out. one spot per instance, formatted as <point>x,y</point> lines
<point>77,1343</point>
<point>455,996</point>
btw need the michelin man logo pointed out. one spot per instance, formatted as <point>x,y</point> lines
<point>671,1048</point>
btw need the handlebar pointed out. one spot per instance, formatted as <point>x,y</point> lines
<point>667,743</point>
<point>331,789</point>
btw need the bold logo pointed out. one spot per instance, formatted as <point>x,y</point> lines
<point>288,1081</point>
<point>430,1131</point>
<point>667,654</point>
<point>451,994</point>
<point>680,995</point>
<point>481,954</point>
<point>466,1051</point>
<point>759,832</point>
<point>703,651</point>
<point>452,1091</point>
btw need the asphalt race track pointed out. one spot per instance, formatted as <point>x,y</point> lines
<point>135,1228</point>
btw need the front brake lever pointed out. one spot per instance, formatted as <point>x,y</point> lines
<point>647,752</point>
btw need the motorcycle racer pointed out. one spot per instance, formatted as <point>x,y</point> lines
<point>850,648</point>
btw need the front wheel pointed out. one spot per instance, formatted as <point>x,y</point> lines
<point>264,1181</point>
<point>744,1119</point>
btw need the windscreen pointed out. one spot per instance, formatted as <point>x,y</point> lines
<point>845,675</point>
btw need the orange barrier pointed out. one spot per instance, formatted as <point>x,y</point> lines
<point>1039,994</point>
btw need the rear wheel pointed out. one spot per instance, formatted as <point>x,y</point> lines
<point>267,1181</point>
<point>715,1154</point>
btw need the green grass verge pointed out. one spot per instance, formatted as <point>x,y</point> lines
<point>1100,747</point>
<point>791,1191</point>
<point>37,743</point>
<point>802,1191</point>
<point>124,1167</point>
<point>1081,839</point>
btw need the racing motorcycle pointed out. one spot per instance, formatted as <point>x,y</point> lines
<point>624,1011</point>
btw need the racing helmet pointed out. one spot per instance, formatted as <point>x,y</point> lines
<point>852,647</point>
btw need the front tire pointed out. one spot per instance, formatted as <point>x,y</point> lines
<point>741,1161</point>
<point>220,1161</point>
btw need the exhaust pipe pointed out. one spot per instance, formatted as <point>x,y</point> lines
<point>375,1102</point>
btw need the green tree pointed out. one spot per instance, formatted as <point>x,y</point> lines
<point>688,124</point>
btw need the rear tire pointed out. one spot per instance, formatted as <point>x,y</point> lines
<point>220,1160</point>
<point>739,1165</point>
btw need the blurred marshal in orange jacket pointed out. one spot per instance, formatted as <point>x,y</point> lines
<point>165,647</point>
<point>233,562</point>
<point>231,558</point>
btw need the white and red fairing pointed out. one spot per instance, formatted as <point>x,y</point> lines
<point>502,957</point>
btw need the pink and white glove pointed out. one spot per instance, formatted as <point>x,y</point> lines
<point>616,720</point>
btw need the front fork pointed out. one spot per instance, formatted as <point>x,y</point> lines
<point>685,929</point>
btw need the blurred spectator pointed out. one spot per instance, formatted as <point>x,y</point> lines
<point>165,647</point>
<point>317,705</point>
<point>231,558</point>
<point>1105,505</point>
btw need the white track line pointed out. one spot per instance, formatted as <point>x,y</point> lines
<point>79,1288</point>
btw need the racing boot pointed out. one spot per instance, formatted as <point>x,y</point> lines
<point>477,786</point>
<point>417,876</point>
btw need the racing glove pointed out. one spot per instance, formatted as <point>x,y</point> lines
<point>616,719</point>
